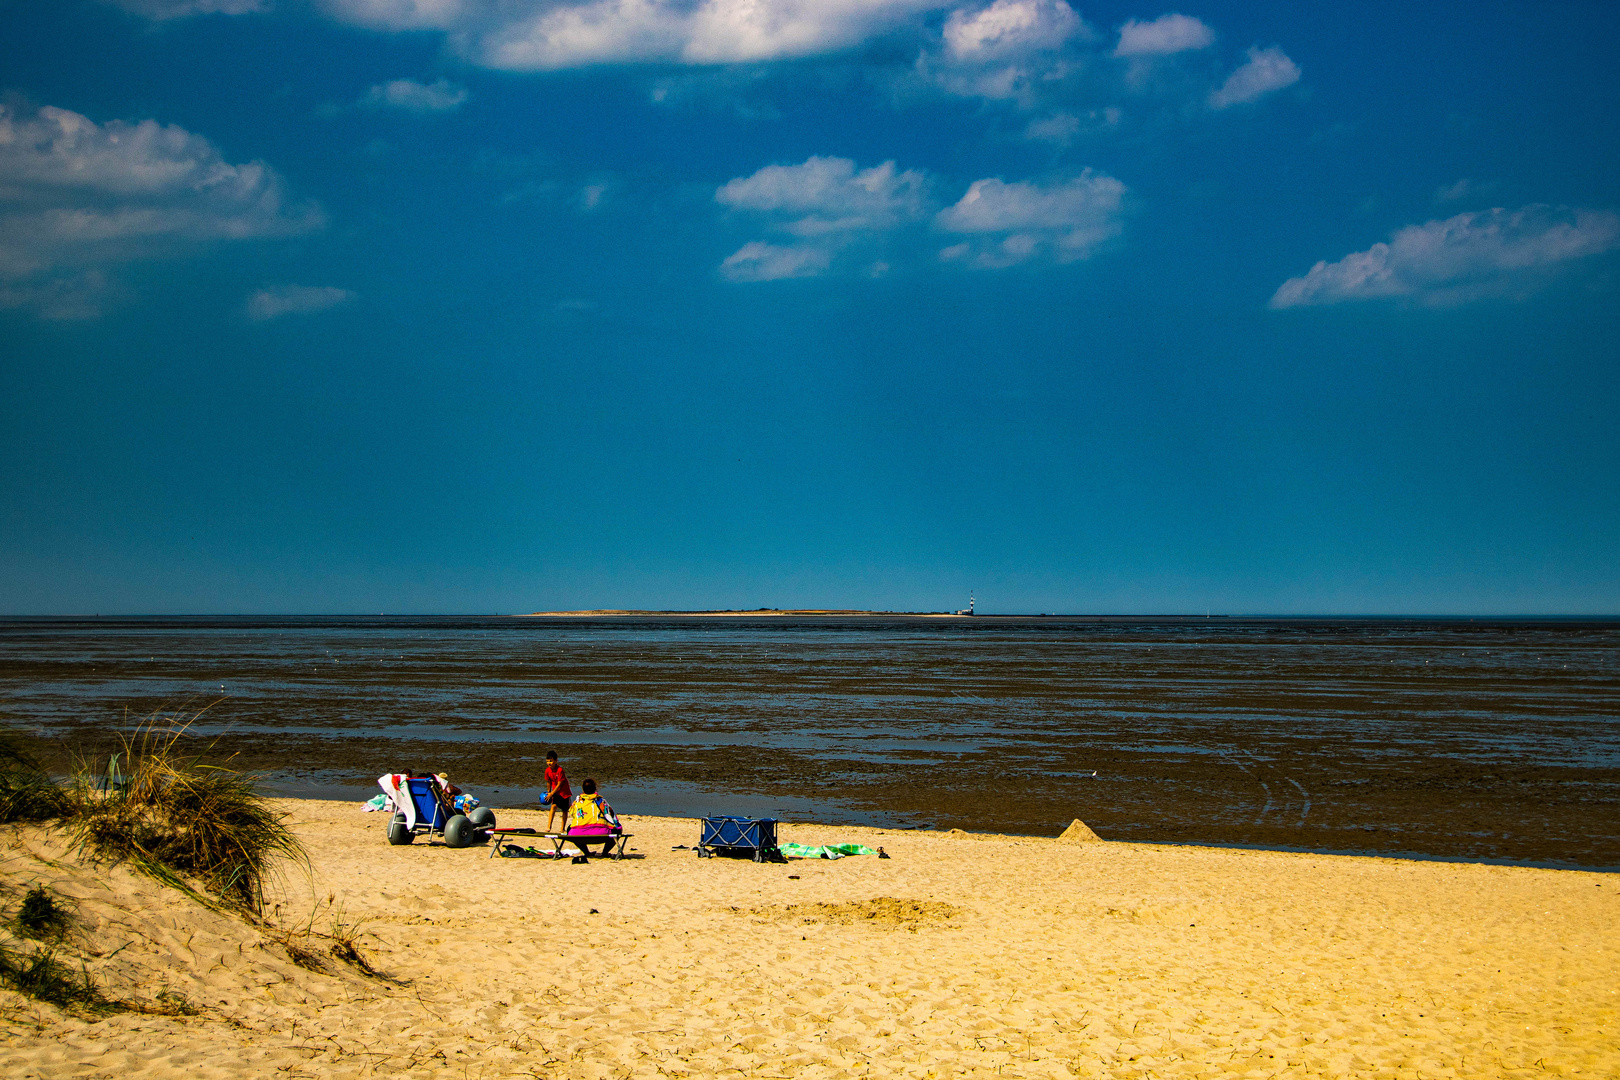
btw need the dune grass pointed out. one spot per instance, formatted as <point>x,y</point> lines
<point>32,967</point>
<point>40,975</point>
<point>41,916</point>
<point>160,806</point>
<point>345,935</point>
<point>174,816</point>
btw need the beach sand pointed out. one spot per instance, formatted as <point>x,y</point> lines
<point>962,955</point>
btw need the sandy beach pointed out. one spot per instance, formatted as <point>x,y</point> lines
<point>961,955</point>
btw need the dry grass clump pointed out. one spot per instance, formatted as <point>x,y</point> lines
<point>40,975</point>
<point>34,970</point>
<point>345,935</point>
<point>171,816</point>
<point>41,916</point>
<point>38,969</point>
<point>297,948</point>
<point>342,941</point>
<point>168,1002</point>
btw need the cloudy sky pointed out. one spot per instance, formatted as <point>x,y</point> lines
<point>505,305</point>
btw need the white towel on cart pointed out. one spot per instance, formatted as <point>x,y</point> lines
<point>399,793</point>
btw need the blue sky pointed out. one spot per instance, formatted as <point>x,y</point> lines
<point>494,305</point>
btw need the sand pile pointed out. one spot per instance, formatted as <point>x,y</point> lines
<point>1008,957</point>
<point>1078,832</point>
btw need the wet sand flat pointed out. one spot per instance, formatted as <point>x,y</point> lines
<point>962,955</point>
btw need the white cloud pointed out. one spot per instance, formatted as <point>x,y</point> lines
<point>281,300</point>
<point>1165,35</point>
<point>830,194</point>
<point>1266,70</point>
<point>1011,223</point>
<point>1007,51</point>
<point>1038,54</point>
<point>1009,28</point>
<point>77,195</point>
<point>551,34</point>
<point>825,198</point>
<point>1035,53</point>
<point>759,261</point>
<point>538,35</point>
<point>439,96</point>
<point>1452,192</point>
<point>406,14</point>
<point>1061,128</point>
<point>845,214</point>
<point>1467,257</point>
<point>181,9</point>
<point>1464,189</point>
<point>65,296</point>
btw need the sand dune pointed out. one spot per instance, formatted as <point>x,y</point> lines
<point>962,955</point>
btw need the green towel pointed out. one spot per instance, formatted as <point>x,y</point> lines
<point>825,851</point>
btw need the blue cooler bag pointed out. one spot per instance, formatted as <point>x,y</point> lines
<point>736,835</point>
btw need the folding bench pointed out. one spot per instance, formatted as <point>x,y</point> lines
<point>613,844</point>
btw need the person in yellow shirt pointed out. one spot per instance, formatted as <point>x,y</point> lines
<point>592,818</point>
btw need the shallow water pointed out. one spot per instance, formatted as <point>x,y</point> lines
<point>1452,738</point>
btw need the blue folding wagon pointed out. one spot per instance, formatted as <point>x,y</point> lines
<point>726,835</point>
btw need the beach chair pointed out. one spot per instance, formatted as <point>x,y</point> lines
<point>421,808</point>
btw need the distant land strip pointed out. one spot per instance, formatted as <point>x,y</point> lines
<point>753,612</point>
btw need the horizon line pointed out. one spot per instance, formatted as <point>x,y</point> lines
<point>805,612</point>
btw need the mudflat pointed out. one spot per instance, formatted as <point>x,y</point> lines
<point>1489,739</point>
<point>960,955</point>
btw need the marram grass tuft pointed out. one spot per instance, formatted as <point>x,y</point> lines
<point>173,816</point>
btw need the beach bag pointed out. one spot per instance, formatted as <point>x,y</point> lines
<point>592,814</point>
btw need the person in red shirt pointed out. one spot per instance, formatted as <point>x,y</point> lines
<point>558,795</point>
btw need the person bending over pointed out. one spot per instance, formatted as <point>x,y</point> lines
<point>558,795</point>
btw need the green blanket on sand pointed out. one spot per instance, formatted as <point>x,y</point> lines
<point>825,851</point>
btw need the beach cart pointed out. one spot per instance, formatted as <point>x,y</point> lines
<point>421,808</point>
<point>723,834</point>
